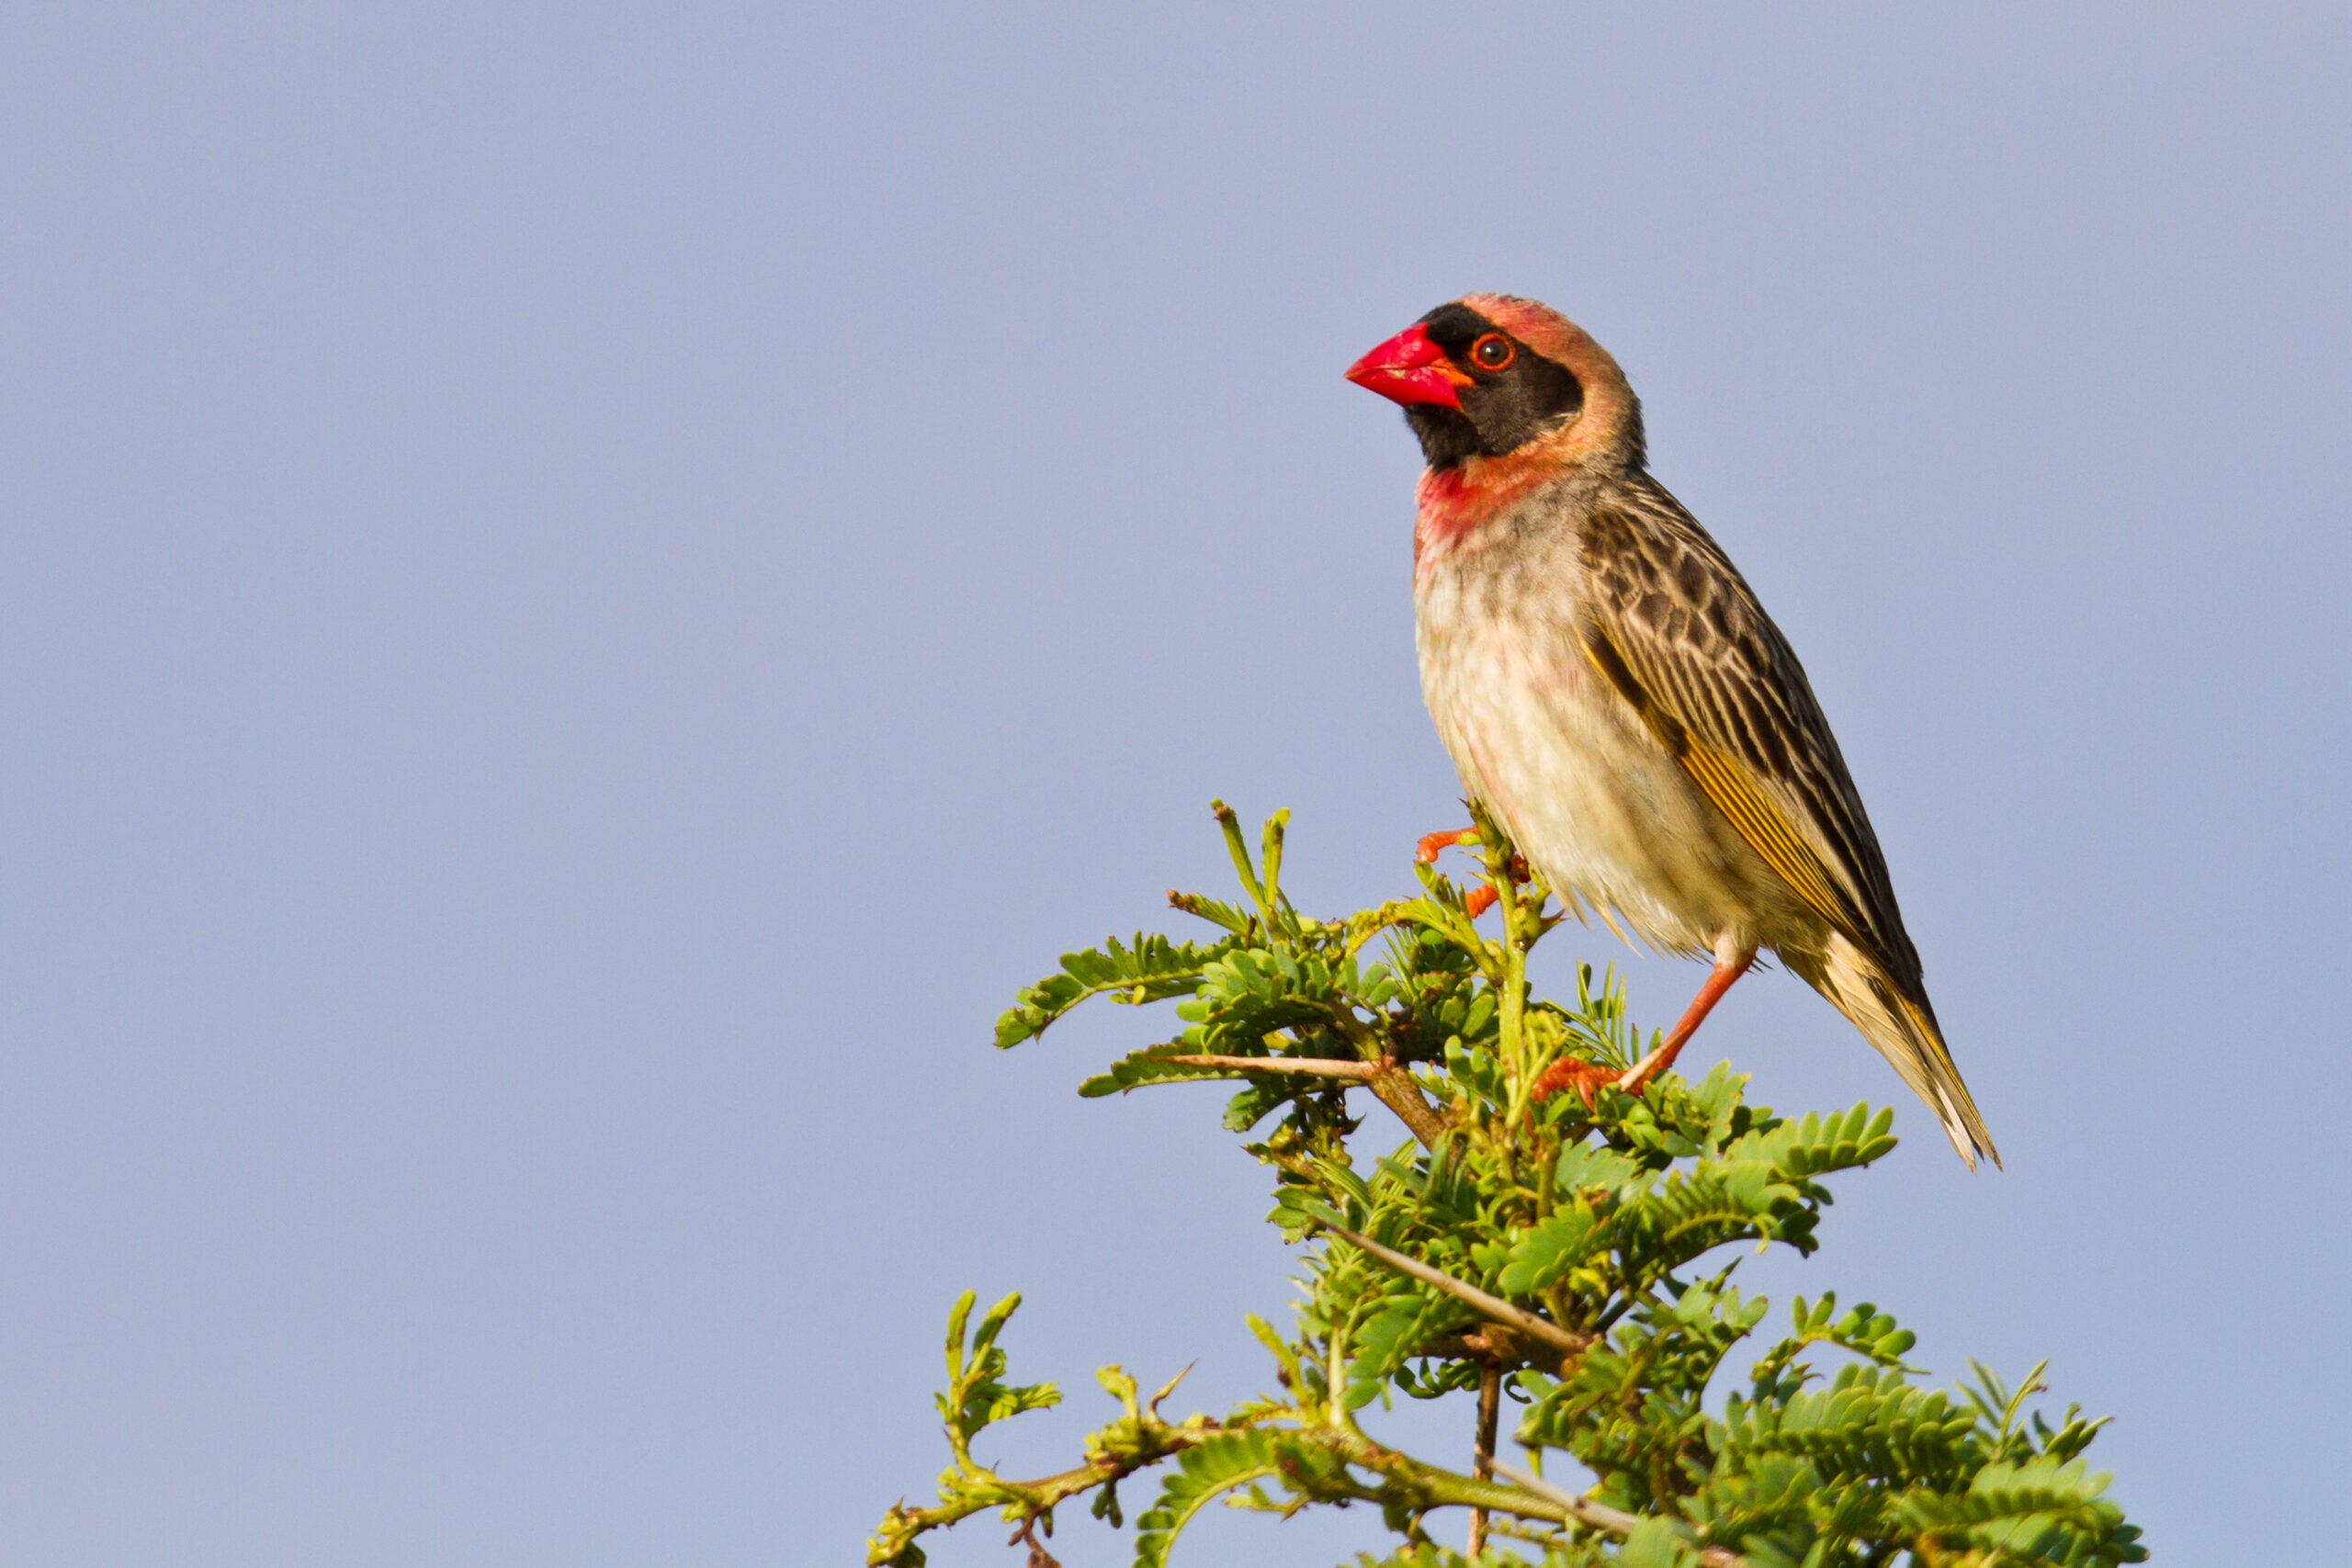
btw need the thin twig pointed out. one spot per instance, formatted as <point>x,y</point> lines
<point>1314,1066</point>
<point>1600,1516</point>
<point>1390,1083</point>
<point>1481,1453</point>
<point>1395,1087</point>
<point>1027,1536</point>
<point>1470,1296</point>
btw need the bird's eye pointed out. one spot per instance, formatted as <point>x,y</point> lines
<point>1492,352</point>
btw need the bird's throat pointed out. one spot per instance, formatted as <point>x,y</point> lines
<point>1453,502</point>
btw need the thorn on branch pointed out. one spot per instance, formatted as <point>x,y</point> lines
<point>1168,1388</point>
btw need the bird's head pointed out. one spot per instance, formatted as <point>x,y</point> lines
<point>1490,377</point>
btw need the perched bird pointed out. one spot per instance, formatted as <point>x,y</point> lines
<point>1613,693</point>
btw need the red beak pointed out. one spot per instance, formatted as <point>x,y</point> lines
<point>1409,368</point>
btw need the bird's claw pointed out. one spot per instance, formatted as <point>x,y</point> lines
<point>1479,899</point>
<point>1583,1076</point>
<point>1426,850</point>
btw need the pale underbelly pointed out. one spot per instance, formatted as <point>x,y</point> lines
<point>1595,803</point>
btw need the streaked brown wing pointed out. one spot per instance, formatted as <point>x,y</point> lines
<point>1679,634</point>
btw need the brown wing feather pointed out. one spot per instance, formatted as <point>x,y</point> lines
<point>1677,630</point>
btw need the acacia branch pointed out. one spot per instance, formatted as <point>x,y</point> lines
<point>1482,1455</point>
<point>1410,1484</point>
<point>1395,1087</point>
<point>1138,1440</point>
<point>1561,1340</point>
<point>1390,1084</point>
<point>1600,1516</point>
<point>1312,1066</point>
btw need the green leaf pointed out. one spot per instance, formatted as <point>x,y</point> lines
<point>1152,969</point>
<point>1584,1167</point>
<point>1605,1218</point>
<point>1654,1544</point>
<point>1225,1462</point>
<point>1546,1250</point>
<point>1211,910</point>
<point>1409,1317</point>
<point>1150,1065</point>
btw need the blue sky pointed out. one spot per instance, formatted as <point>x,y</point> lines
<point>584,591</point>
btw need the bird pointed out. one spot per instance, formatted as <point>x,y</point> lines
<point>1613,694</point>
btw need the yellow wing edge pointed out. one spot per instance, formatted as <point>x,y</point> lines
<point>1726,781</point>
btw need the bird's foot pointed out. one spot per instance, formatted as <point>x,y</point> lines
<point>1426,850</point>
<point>1479,899</point>
<point>1483,898</point>
<point>1574,1073</point>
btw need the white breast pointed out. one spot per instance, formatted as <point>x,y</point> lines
<point>1589,796</point>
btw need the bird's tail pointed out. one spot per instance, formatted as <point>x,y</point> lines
<point>1904,1032</point>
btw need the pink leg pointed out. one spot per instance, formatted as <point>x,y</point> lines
<point>1585,1076</point>
<point>1726,971</point>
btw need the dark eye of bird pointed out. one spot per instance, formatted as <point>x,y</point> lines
<point>1492,352</point>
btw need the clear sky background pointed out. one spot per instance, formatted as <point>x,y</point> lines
<point>584,591</point>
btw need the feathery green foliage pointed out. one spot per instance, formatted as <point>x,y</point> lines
<point>1564,1261</point>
